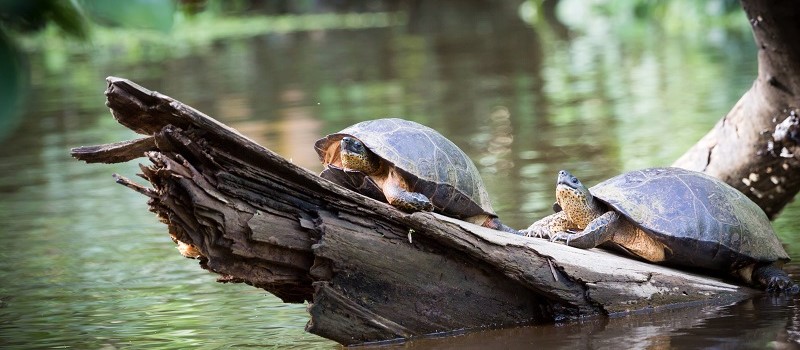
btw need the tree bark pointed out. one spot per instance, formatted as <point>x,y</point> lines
<point>755,146</point>
<point>368,271</point>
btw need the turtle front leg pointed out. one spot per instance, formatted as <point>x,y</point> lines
<point>774,279</point>
<point>597,232</point>
<point>405,200</point>
<point>545,227</point>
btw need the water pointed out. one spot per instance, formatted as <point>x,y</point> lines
<point>83,264</point>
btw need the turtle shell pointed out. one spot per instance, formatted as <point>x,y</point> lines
<point>430,163</point>
<point>706,222</point>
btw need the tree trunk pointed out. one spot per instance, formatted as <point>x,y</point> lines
<point>368,271</point>
<point>755,146</point>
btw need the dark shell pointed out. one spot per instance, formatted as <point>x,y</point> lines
<point>430,163</point>
<point>706,222</point>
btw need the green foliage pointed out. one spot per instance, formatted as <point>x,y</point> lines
<point>143,14</point>
<point>31,16</point>
<point>21,18</point>
<point>625,17</point>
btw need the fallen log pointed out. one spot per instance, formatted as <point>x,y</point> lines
<point>368,271</point>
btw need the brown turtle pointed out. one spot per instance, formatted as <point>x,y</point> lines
<point>672,216</point>
<point>410,166</point>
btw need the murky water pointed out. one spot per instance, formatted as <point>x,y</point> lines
<point>83,264</point>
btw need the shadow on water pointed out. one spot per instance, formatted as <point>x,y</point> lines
<point>84,264</point>
<point>759,323</point>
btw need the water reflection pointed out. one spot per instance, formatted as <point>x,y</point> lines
<point>12,87</point>
<point>754,324</point>
<point>84,264</point>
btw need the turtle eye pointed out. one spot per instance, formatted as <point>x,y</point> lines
<point>357,145</point>
<point>352,144</point>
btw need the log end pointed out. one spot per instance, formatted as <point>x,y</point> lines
<point>118,152</point>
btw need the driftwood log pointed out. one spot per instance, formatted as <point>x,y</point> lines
<point>368,271</point>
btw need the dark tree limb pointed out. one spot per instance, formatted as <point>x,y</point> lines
<point>368,271</point>
<point>755,146</point>
<point>118,152</point>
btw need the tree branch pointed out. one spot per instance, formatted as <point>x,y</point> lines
<point>750,148</point>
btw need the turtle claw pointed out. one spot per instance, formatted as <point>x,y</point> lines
<point>536,232</point>
<point>794,289</point>
<point>561,236</point>
<point>775,280</point>
<point>779,284</point>
<point>775,285</point>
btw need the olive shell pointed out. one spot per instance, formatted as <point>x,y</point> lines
<point>706,222</point>
<point>430,164</point>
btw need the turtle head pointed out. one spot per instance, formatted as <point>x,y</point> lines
<point>575,199</point>
<point>356,156</point>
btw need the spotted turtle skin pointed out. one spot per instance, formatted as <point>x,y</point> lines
<point>705,222</point>
<point>429,163</point>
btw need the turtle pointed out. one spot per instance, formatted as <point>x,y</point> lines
<point>671,216</point>
<point>410,166</point>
